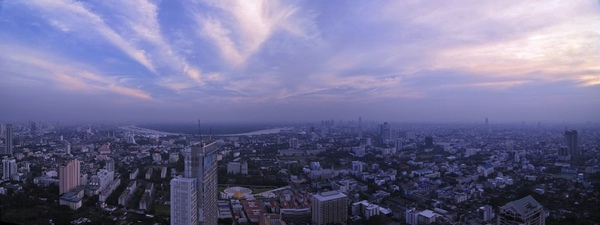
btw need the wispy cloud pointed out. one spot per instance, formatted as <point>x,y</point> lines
<point>71,16</point>
<point>54,68</point>
<point>139,21</point>
<point>240,28</point>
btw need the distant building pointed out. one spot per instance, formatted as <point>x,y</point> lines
<point>9,168</point>
<point>571,141</point>
<point>359,151</point>
<point>485,170</point>
<point>417,217</point>
<point>398,144</point>
<point>237,168</point>
<point>69,176</point>
<point>486,213</point>
<point>523,211</point>
<point>365,209</point>
<point>385,131</point>
<point>8,141</point>
<point>149,172</point>
<point>294,143</point>
<point>357,167</point>
<point>329,207</point>
<point>110,165</point>
<point>105,149</point>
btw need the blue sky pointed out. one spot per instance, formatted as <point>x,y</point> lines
<point>407,61</point>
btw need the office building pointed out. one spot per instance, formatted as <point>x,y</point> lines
<point>110,165</point>
<point>200,172</point>
<point>398,144</point>
<point>69,176</point>
<point>294,143</point>
<point>9,168</point>
<point>571,141</point>
<point>329,207</point>
<point>8,141</point>
<point>525,211</point>
<point>486,213</point>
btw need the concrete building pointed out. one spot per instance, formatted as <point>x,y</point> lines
<point>184,200</point>
<point>237,168</point>
<point>525,211</point>
<point>72,198</point>
<point>329,207</point>
<point>365,209</point>
<point>571,141</point>
<point>201,166</point>
<point>9,168</point>
<point>8,141</point>
<point>486,213</point>
<point>146,200</point>
<point>110,165</point>
<point>69,176</point>
<point>294,143</point>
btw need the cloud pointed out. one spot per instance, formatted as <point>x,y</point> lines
<point>139,21</point>
<point>517,38</point>
<point>240,28</point>
<point>71,16</point>
<point>76,77</point>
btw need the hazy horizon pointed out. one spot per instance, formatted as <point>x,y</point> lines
<point>276,61</point>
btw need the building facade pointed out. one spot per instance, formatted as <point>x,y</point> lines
<point>525,211</point>
<point>8,141</point>
<point>69,176</point>
<point>201,165</point>
<point>329,207</point>
<point>184,201</point>
<point>9,168</point>
<point>571,141</point>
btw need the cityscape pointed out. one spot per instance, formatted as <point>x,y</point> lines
<point>285,112</point>
<point>326,172</point>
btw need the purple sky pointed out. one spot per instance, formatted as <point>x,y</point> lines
<point>406,61</point>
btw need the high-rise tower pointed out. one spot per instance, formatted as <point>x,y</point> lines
<point>69,176</point>
<point>571,141</point>
<point>200,166</point>
<point>8,147</point>
<point>329,208</point>
<point>360,132</point>
<point>9,168</point>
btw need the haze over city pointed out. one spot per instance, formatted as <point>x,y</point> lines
<point>407,61</point>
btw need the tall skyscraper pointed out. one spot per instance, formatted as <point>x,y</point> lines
<point>398,144</point>
<point>329,207</point>
<point>571,141</point>
<point>8,147</point>
<point>69,176</point>
<point>201,166</point>
<point>184,200</point>
<point>360,132</point>
<point>385,131</point>
<point>33,128</point>
<point>523,211</point>
<point>9,168</point>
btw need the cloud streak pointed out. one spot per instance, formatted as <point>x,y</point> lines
<point>246,26</point>
<point>68,76</point>
<point>70,16</point>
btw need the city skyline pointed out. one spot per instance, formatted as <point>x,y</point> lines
<point>462,61</point>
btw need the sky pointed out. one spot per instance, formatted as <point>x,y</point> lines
<point>272,60</point>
